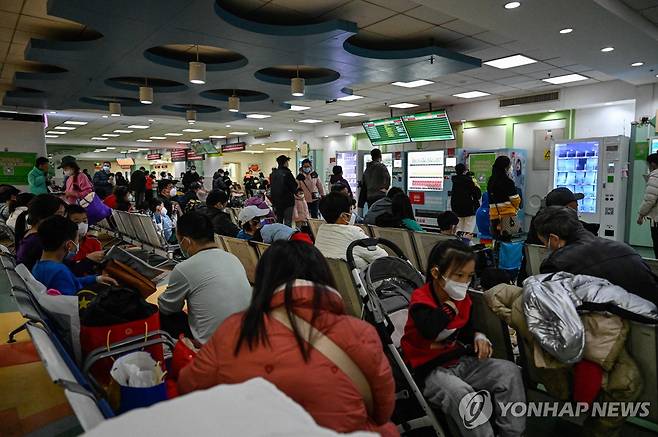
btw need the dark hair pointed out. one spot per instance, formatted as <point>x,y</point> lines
<point>282,264</point>
<point>163,183</point>
<point>653,158</point>
<point>40,161</point>
<point>107,162</point>
<point>215,197</point>
<point>40,207</point>
<point>306,161</point>
<point>121,194</point>
<point>558,220</point>
<point>337,170</point>
<point>394,191</point>
<point>23,199</point>
<point>7,191</point>
<point>142,169</point>
<point>55,231</point>
<point>163,173</point>
<point>448,254</point>
<point>75,209</point>
<point>153,203</point>
<point>195,226</point>
<point>447,220</point>
<point>401,207</point>
<point>195,186</point>
<point>376,154</point>
<point>337,188</point>
<point>460,168</point>
<point>333,205</point>
<point>500,166</point>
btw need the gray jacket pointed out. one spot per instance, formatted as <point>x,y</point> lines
<point>378,208</point>
<point>376,180</point>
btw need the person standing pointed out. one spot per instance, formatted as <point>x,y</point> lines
<point>102,185</point>
<point>465,199</point>
<point>375,181</point>
<point>189,178</point>
<point>649,207</point>
<point>37,178</point>
<point>504,200</point>
<point>283,191</point>
<point>310,184</point>
<point>77,184</point>
<point>138,185</point>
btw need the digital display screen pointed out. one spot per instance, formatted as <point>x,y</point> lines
<point>386,131</point>
<point>429,126</point>
<point>654,146</point>
<point>425,171</point>
<point>577,168</point>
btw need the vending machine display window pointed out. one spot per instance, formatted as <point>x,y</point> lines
<point>576,168</point>
<point>349,161</point>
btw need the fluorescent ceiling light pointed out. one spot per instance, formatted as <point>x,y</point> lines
<point>51,136</point>
<point>637,64</point>
<point>510,62</point>
<point>238,133</point>
<point>192,130</point>
<point>54,132</point>
<point>310,121</point>
<point>77,123</point>
<point>158,138</point>
<point>141,140</point>
<point>566,30</point>
<point>558,80</point>
<point>110,148</point>
<point>260,128</point>
<point>171,134</point>
<point>607,49</point>
<point>512,5</point>
<point>99,138</point>
<point>182,142</point>
<point>551,110</point>
<point>139,126</point>
<point>151,120</point>
<point>252,151</point>
<point>471,95</point>
<point>348,98</point>
<point>217,136</point>
<point>63,127</point>
<point>111,135</point>
<point>299,107</point>
<point>278,149</point>
<point>53,112</point>
<point>403,105</point>
<point>122,131</point>
<point>197,139</point>
<point>228,125</point>
<point>351,114</point>
<point>413,83</point>
<point>259,116</point>
<point>289,130</point>
<point>142,150</point>
<point>104,116</point>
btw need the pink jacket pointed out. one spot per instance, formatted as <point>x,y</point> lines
<point>323,390</point>
<point>311,185</point>
<point>79,184</point>
<point>300,212</point>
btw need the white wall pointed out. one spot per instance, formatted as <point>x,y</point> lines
<point>604,121</point>
<point>22,136</point>
<point>487,138</point>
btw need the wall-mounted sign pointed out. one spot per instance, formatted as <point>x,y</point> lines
<point>234,147</point>
<point>193,156</point>
<point>179,155</point>
<point>425,170</point>
<point>417,197</point>
<point>153,156</point>
<point>14,167</point>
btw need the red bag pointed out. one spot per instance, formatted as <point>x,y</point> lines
<point>93,337</point>
<point>182,356</point>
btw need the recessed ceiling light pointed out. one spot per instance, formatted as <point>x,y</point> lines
<point>252,151</point>
<point>51,136</point>
<point>141,140</point>
<point>217,136</point>
<point>299,107</point>
<point>104,116</point>
<point>110,135</point>
<point>64,128</point>
<point>471,95</point>
<point>551,110</point>
<point>558,80</point>
<point>53,112</point>
<point>351,114</point>
<point>510,62</point>
<point>258,116</point>
<point>192,130</point>
<point>348,98</point>
<point>182,142</point>
<point>110,148</point>
<point>326,136</point>
<point>278,149</point>
<point>197,139</point>
<point>122,131</point>
<point>228,125</point>
<point>238,133</point>
<point>55,132</point>
<point>158,138</point>
<point>512,5</point>
<point>346,134</point>
<point>171,134</point>
<point>151,120</point>
<point>99,138</point>
<point>76,123</point>
<point>260,128</point>
<point>139,126</point>
<point>607,49</point>
<point>289,130</point>
<point>310,121</point>
<point>637,64</point>
<point>403,105</point>
<point>413,83</point>
<point>566,30</point>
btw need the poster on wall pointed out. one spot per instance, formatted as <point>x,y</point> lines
<point>425,171</point>
<point>543,141</point>
<point>480,164</point>
<point>14,167</point>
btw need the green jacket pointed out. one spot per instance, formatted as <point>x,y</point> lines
<point>37,181</point>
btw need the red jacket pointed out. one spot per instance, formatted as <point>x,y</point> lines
<point>323,390</point>
<point>111,201</point>
<point>87,246</point>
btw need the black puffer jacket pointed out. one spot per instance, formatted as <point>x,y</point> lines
<point>221,221</point>
<point>465,198</point>
<point>283,189</point>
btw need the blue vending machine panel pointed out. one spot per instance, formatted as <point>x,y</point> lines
<point>577,168</point>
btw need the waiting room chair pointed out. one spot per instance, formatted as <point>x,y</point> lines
<point>345,286</point>
<point>489,324</point>
<point>401,238</point>
<point>246,253</point>
<point>260,248</point>
<point>653,264</point>
<point>314,224</point>
<point>534,255</point>
<point>424,242</point>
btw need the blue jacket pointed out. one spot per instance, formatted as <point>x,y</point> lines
<point>36,178</point>
<point>59,277</point>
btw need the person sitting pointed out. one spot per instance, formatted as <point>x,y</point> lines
<point>90,250</point>
<point>293,281</point>
<point>447,222</point>
<point>222,224</point>
<point>166,192</point>
<point>337,234</point>
<point>337,178</point>
<point>401,215</point>
<point>161,218</point>
<point>250,220</point>
<point>575,250</point>
<point>447,355</point>
<point>381,206</point>
<point>59,238</point>
<point>8,194</point>
<point>300,213</point>
<point>211,281</point>
<point>17,207</point>
<point>191,199</point>
<point>102,181</point>
<point>119,199</point>
<point>27,242</point>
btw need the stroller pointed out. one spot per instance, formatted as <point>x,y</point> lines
<point>385,288</point>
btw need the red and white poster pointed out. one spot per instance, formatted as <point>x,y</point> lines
<point>425,170</point>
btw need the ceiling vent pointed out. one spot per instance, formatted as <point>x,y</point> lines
<point>536,98</point>
<point>263,135</point>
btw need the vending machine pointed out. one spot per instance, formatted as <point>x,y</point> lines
<point>352,172</point>
<point>598,168</point>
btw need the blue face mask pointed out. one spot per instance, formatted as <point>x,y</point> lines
<point>307,170</point>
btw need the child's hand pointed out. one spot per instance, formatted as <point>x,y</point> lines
<point>482,348</point>
<point>97,256</point>
<point>106,280</point>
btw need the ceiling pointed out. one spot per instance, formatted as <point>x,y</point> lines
<point>73,57</point>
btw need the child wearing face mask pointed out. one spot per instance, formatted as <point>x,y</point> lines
<point>90,248</point>
<point>59,237</point>
<point>300,214</point>
<point>445,351</point>
<point>161,218</point>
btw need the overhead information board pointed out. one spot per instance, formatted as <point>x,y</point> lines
<point>386,131</point>
<point>425,171</point>
<point>429,126</point>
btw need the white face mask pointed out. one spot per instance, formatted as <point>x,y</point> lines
<point>173,192</point>
<point>456,290</point>
<point>68,172</point>
<point>352,219</point>
<point>82,229</point>
<point>163,211</point>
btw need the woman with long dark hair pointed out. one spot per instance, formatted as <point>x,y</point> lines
<point>28,244</point>
<point>504,200</point>
<point>294,312</point>
<point>401,215</point>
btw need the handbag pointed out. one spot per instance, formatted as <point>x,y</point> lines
<point>332,352</point>
<point>128,277</point>
<point>96,209</point>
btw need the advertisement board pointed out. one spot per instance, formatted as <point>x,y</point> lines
<point>14,167</point>
<point>425,171</point>
<point>234,147</point>
<point>480,164</point>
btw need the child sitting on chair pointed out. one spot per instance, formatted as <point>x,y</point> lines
<point>59,238</point>
<point>90,247</point>
<point>450,359</point>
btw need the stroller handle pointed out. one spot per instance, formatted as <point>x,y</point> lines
<point>372,242</point>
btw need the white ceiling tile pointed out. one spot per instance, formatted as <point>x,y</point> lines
<point>464,27</point>
<point>532,84</point>
<point>443,36</point>
<point>596,75</point>
<point>459,80</point>
<point>360,12</point>
<point>399,26</point>
<point>576,68</point>
<point>532,68</point>
<point>548,73</point>
<point>651,14</point>
<point>641,4</point>
<point>488,73</point>
<point>559,62</point>
<point>513,80</point>
<point>467,44</point>
<point>490,53</point>
<point>395,5</point>
<point>313,8</point>
<point>430,15</point>
<point>494,88</point>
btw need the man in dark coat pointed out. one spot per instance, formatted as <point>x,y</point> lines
<point>284,187</point>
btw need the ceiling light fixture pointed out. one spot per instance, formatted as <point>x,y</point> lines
<point>297,85</point>
<point>512,5</point>
<point>110,135</point>
<point>566,30</point>
<point>192,130</point>
<point>75,123</point>
<point>348,98</point>
<point>260,128</point>
<point>122,131</point>
<point>114,109</point>
<point>51,136</point>
<point>510,62</point>
<point>413,83</point>
<point>146,93</point>
<point>403,105</point>
<point>182,142</point>
<point>277,149</point>
<point>558,80</point>
<point>217,136</point>
<point>172,134</point>
<point>104,116</point>
<point>289,130</point>
<point>351,114</point>
<point>197,139</point>
<point>141,140</point>
<point>55,132</point>
<point>607,49</point>
<point>139,126</point>
<point>471,95</point>
<point>99,138</point>
<point>197,72</point>
<point>53,112</point>
<point>637,64</point>
<point>64,128</point>
<point>190,116</point>
<point>258,116</point>
<point>310,121</point>
<point>299,107</point>
<point>551,110</point>
<point>158,138</point>
<point>238,133</point>
<point>234,103</point>
<point>228,125</point>
<point>110,148</point>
